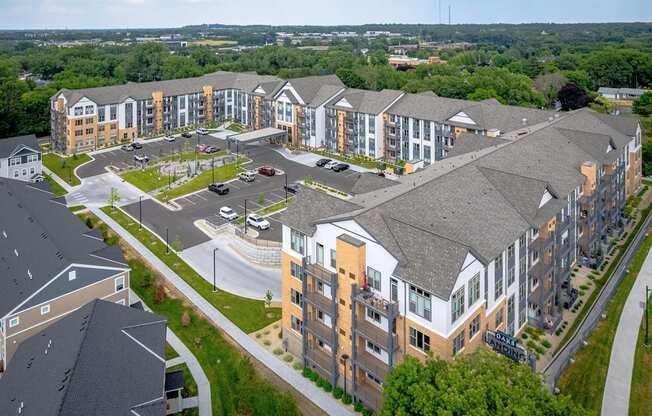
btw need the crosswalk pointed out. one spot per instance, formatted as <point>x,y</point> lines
<point>76,198</point>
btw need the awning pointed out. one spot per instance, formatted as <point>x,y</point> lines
<point>268,133</point>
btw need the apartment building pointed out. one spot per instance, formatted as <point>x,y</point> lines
<point>51,264</point>
<point>20,158</point>
<point>88,119</point>
<point>354,121</point>
<point>102,359</point>
<point>484,242</point>
<point>300,108</point>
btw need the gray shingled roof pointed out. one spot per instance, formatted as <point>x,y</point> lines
<point>365,101</point>
<point>369,182</point>
<point>469,142</point>
<point>97,363</point>
<point>11,145</point>
<point>33,223</point>
<point>625,124</point>
<point>143,90</point>
<point>315,90</point>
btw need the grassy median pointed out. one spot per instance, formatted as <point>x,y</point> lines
<point>248,314</point>
<point>640,399</point>
<point>201,181</point>
<point>64,167</point>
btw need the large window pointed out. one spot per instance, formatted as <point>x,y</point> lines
<point>295,270</point>
<point>419,340</point>
<point>511,274</point>
<point>333,258</point>
<point>372,123</point>
<point>113,112</point>
<point>119,283</point>
<point>297,241</point>
<point>458,343</point>
<point>474,289</point>
<point>373,277</point>
<point>296,298</point>
<point>420,303</point>
<point>101,116</point>
<point>498,275</point>
<point>296,323</point>
<point>474,327</point>
<point>373,315</point>
<point>457,304</point>
<point>89,109</point>
<point>393,293</point>
<point>79,111</point>
<point>319,252</point>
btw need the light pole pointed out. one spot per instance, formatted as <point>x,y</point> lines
<point>214,253</point>
<point>647,294</point>
<point>286,188</point>
<point>213,170</point>
<point>167,242</point>
<point>345,357</point>
<point>140,212</point>
<point>245,217</point>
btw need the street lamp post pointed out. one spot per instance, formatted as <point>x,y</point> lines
<point>140,212</point>
<point>345,357</point>
<point>245,217</point>
<point>647,294</point>
<point>213,170</point>
<point>214,268</point>
<point>167,242</point>
<point>286,188</point>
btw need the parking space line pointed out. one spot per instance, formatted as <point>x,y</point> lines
<point>277,195</point>
<point>200,196</point>
<point>188,200</point>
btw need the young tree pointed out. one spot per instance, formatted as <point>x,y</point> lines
<point>482,383</point>
<point>185,319</point>
<point>573,97</point>
<point>268,298</point>
<point>643,106</point>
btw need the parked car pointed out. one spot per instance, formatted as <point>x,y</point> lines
<point>201,147</point>
<point>202,131</point>
<point>292,188</point>
<point>267,170</point>
<point>321,162</point>
<point>137,145</point>
<point>248,176</point>
<point>187,135</point>
<point>331,164</point>
<point>141,158</point>
<point>127,147</point>
<point>211,149</point>
<point>218,188</point>
<point>381,174</point>
<point>340,167</point>
<point>169,138</point>
<point>228,214</point>
<point>257,221</point>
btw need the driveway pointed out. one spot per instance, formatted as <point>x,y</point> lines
<point>95,191</point>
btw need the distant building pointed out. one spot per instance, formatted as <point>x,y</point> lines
<point>405,62</point>
<point>20,158</point>
<point>621,94</point>
<point>102,359</point>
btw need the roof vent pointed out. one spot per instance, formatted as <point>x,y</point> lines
<point>72,275</point>
<point>59,255</point>
<point>29,274</point>
<point>4,233</point>
<point>525,121</point>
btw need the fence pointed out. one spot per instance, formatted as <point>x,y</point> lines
<point>262,252</point>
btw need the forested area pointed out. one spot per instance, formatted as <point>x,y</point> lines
<point>523,68</point>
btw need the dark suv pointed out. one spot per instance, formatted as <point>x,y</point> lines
<point>340,167</point>
<point>322,162</point>
<point>220,189</point>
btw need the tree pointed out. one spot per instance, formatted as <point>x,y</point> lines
<point>114,198</point>
<point>145,62</point>
<point>573,97</point>
<point>185,319</point>
<point>643,106</point>
<point>482,383</point>
<point>549,85</point>
<point>603,105</point>
<point>268,298</point>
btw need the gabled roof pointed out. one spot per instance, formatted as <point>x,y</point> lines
<point>102,359</point>
<point>624,124</point>
<point>32,222</point>
<point>364,101</point>
<point>11,145</point>
<point>316,90</point>
<point>469,143</point>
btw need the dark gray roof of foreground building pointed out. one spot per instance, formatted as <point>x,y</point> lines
<point>9,145</point>
<point>626,125</point>
<point>103,359</point>
<point>39,238</point>
<point>315,90</point>
<point>365,101</point>
<point>469,143</point>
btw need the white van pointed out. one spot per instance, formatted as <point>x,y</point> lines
<point>247,176</point>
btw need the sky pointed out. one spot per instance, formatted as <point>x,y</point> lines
<point>96,14</point>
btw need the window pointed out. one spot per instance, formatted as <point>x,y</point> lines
<point>373,348</point>
<point>320,254</point>
<point>295,270</point>
<point>79,133</point>
<point>182,103</point>
<point>499,317</point>
<point>372,123</point>
<point>14,321</point>
<point>498,270</point>
<point>45,309</point>
<point>510,252</point>
<point>474,327</point>
<point>420,302</point>
<point>79,122</point>
<point>457,304</point>
<point>373,315</point>
<point>419,340</point>
<point>89,131</point>
<point>296,298</point>
<point>373,278</point>
<point>101,116</point>
<point>333,258</point>
<point>393,293</point>
<point>511,273</point>
<point>474,289</point>
<point>119,283</point>
<point>296,324</point>
<point>79,111</point>
<point>297,241</point>
<point>458,343</point>
<point>89,120</point>
<point>14,161</point>
<point>89,109</point>
<point>113,112</point>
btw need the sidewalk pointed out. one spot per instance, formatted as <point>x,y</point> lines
<point>308,158</point>
<point>294,378</point>
<point>619,376</point>
<point>186,356</point>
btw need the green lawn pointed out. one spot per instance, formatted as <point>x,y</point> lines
<point>640,399</point>
<point>584,380</point>
<point>249,315</point>
<point>170,352</point>
<point>201,181</point>
<point>64,167</point>
<point>54,185</point>
<point>189,384</point>
<point>191,155</point>
<point>147,180</point>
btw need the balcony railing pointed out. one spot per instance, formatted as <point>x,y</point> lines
<point>319,300</point>
<point>370,299</point>
<point>369,394</point>
<point>318,271</point>
<point>372,364</point>
<point>320,330</point>
<point>320,358</point>
<point>376,334</point>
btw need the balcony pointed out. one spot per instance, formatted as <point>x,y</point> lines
<point>371,364</point>
<point>321,359</point>
<point>320,272</point>
<point>383,306</point>
<point>369,394</point>
<point>320,330</point>
<point>316,298</point>
<point>376,334</point>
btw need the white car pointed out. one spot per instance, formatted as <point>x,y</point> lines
<point>228,214</point>
<point>169,138</point>
<point>141,158</point>
<point>257,221</point>
<point>202,131</point>
<point>331,164</point>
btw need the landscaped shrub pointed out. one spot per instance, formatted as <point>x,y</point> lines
<point>277,351</point>
<point>338,392</point>
<point>267,343</point>
<point>328,387</point>
<point>297,365</point>
<point>546,343</point>
<point>367,412</point>
<point>307,373</point>
<point>347,399</point>
<point>321,382</point>
<point>524,335</point>
<point>288,358</point>
<point>558,332</point>
<point>584,287</point>
<point>314,377</point>
<point>358,407</point>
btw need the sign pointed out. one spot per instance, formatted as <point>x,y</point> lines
<point>508,346</point>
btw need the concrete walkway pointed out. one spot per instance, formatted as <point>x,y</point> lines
<point>619,376</point>
<point>321,399</point>
<point>186,356</point>
<point>307,158</point>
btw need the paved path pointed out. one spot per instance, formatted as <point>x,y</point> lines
<point>619,377</point>
<point>189,402</point>
<point>186,356</point>
<point>174,361</point>
<point>321,399</point>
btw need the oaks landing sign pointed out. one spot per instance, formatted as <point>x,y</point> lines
<point>509,346</point>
